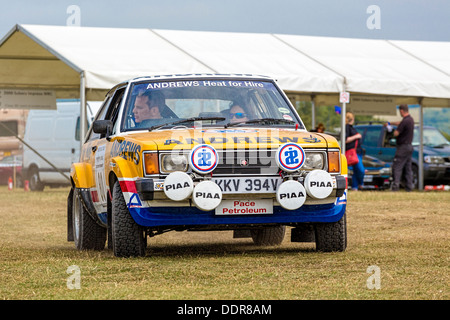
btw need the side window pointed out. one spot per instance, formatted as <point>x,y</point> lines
<point>77,130</point>
<point>100,116</point>
<point>113,110</point>
<point>114,106</point>
<point>108,111</point>
<point>372,136</point>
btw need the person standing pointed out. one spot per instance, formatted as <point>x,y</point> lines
<point>403,155</point>
<point>320,128</point>
<point>353,140</point>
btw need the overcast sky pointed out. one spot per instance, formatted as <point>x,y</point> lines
<point>372,19</point>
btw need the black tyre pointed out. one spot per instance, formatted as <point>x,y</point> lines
<point>269,236</point>
<point>35,181</point>
<point>128,238</point>
<point>415,171</point>
<point>87,234</point>
<point>331,236</point>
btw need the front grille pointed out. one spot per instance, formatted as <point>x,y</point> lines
<point>246,162</point>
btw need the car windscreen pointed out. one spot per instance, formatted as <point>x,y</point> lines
<point>431,137</point>
<point>207,102</point>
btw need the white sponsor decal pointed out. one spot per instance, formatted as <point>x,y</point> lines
<point>291,195</point>
<point>178,186</point>
<point>319,184</point>
<point>203,159</point>
<point>100,181</point>
<point>290,157</point>
<point>240,207</point>
<point>207,195</point>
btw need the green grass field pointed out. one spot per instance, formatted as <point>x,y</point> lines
<point>404,236</point>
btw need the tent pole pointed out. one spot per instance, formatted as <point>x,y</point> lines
<point>313,112</point>
<point>420,162</point>
<point>83,119</point>
<point>343,112</point>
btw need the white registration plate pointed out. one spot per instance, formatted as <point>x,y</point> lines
<point>248,184</point>
<point>245,207</point>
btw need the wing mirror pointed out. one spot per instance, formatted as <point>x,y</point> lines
<point>103,127</point>
<point>393,142</point>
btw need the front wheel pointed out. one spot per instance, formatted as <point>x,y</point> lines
<point>128,237</point>
<point>331,236</point>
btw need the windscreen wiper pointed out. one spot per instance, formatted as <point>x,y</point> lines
<point>263,120</point>
<point>185,120</point>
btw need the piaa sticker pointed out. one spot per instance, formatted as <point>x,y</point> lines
<point>207,195</point>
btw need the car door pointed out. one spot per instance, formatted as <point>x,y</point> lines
<point>373,143</point>
<point>98,156</point>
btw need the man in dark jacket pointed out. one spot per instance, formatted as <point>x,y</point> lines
<point>403,154</point>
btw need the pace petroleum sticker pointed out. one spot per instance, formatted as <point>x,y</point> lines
<point>290,157</point>
<point>203,159</point>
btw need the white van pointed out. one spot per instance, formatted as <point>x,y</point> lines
<point>54,134</point>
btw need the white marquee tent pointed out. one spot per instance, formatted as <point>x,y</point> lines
<point>56,57</point>
<point>83,62</point>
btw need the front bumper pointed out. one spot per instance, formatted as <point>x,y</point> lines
<point>149,208</point>
<point>191,216</point>
<point>436,174</point>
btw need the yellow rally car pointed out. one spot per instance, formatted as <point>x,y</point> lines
<point>205,152</point>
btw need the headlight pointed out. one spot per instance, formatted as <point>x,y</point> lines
<point>174,162</point>
<point>433,159</point>
<point>313,160</point>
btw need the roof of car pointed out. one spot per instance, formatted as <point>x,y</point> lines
<point>200,75</point>
<point>192,76</point>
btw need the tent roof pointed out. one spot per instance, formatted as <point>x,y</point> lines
<point>52,57</point>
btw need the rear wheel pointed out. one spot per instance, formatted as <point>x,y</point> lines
<point>415,171</point>
<point>268,236</point>
<point>87,234</point>
<point>128,237</point>
<point>331,236</point>
<point>35,181</point>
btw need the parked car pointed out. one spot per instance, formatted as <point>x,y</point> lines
<point>377,175</point>
<point>214,152</point>
<point>380,143</point>
<point>11,167</point>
